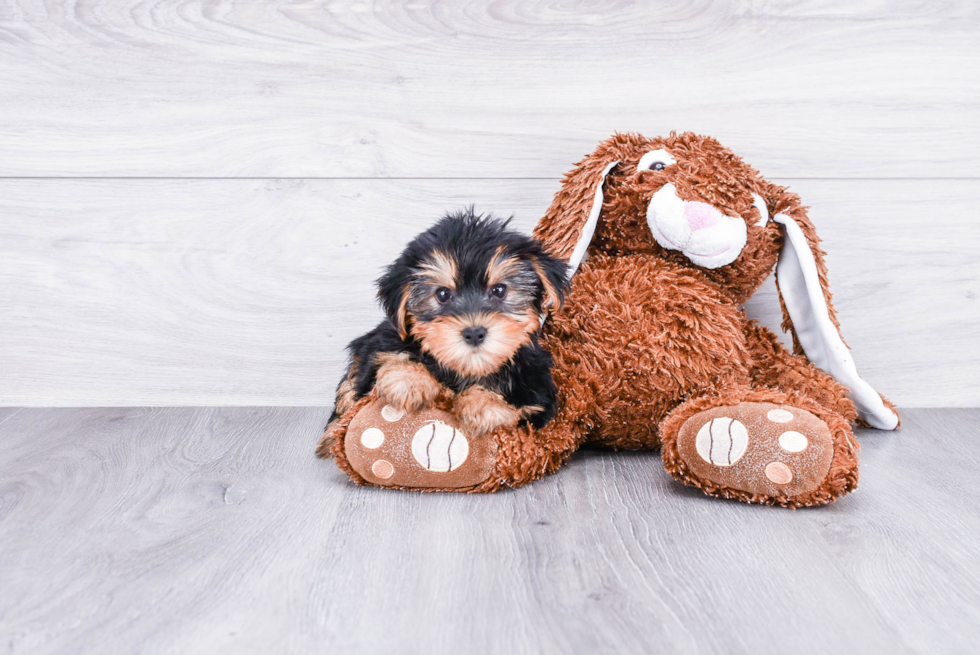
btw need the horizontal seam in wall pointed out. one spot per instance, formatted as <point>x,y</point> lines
<point>437,179</point>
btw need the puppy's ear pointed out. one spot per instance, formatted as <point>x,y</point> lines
<point>554,276</point>
<point>393,291</point>
<point>808,309</point>
<point>569,224</point>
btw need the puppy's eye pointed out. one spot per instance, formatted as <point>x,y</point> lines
<point>443,295</point>
<point>658,166</point>
<point>498,290</point>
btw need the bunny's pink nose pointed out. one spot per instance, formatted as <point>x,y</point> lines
<point>700,215</point>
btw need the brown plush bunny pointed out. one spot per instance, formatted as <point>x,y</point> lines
<point>666,238</point>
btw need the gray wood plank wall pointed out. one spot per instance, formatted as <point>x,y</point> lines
<point>292,148</point>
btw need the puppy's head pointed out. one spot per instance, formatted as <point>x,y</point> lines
<point>471,291</point>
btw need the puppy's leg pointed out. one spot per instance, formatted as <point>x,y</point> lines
<point>346,397</point>
<point>404,384</point>
<point>480,411</point>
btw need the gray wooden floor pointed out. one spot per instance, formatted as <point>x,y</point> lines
<point>205,530</point>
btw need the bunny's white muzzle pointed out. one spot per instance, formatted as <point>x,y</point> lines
<point>701,231</point>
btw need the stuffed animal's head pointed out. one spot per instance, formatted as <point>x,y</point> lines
<point>684,197</point>
<point>690,200</point>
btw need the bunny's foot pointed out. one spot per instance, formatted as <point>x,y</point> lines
<point>434,450</point>
<point>389,447</point>
<point>765,452</point>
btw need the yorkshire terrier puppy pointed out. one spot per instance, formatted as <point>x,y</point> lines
<point>464,305</point>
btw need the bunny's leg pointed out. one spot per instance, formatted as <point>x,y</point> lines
<point>428,451</point>
<point>761,445</point>
<point>525,454</point>
<point>774,366</point>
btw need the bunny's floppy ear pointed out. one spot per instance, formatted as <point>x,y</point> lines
<point>808,314</point>
<point>567,228</point>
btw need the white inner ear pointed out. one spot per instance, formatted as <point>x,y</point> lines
<point>588,230</point>
<point>759,203</point>
<point>799,284</point>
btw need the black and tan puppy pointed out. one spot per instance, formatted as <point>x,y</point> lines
<point>464,305</point>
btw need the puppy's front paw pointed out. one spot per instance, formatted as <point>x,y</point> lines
<point>405,385</point>
<point>480,411</point>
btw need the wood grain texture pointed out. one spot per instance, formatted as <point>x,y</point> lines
<point>482,89</point>
<point>215,530</point>
<point>178,292</point>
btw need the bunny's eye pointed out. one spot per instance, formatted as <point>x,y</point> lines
<point>655,160</point>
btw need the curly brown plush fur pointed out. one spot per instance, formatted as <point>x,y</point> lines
<point>647,338</point>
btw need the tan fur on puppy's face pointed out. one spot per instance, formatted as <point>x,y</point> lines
<point>552,298</point>
<point>439,270</point>
<point>401,314</point>
<point>502,267</point>
<point>442,338</point>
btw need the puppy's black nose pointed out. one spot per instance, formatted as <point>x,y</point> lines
<point>474,335</point>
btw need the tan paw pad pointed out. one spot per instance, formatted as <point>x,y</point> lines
<point>422,450</point>
<point>779,473</point>
<point>759,448</point>
<point>383,469</point>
